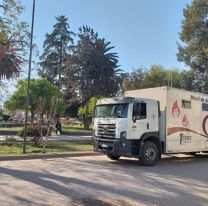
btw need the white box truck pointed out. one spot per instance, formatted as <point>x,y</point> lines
<point>150,122</point>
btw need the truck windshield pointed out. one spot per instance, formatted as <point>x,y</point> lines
<point>111,110</point>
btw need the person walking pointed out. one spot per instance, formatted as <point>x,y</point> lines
<point>58,128</point>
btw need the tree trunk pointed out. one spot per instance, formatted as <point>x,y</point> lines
<point>41,118</point>
<point>45,139</point>
<point>32,117</point>
<point>86,122</point>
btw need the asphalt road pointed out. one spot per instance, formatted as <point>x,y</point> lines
<point>97,181</point>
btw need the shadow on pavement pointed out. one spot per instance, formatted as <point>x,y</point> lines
<point>162,178</point>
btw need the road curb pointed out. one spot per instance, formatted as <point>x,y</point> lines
<point>47,156</point>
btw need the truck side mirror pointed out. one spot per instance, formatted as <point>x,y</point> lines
<point>134,118</point>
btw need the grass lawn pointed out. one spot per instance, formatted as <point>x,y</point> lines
<point>53,147</point>
<point>10,128</point>
<point>75,128</point>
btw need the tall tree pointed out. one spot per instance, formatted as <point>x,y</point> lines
<point>156,76</point>
<point>135,79</point>
<point>13,38</point>
<point>57,46</point>
<point>194,81</point>
<point>93,67</point>
<point>194,35</point>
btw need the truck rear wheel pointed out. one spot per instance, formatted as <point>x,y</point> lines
<point>149,154</point>
<point>113,157</point>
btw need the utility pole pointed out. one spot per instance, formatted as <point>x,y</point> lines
<point>170,79</point>
<point>28,80</point>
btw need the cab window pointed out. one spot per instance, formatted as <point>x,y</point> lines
<point>140,110</point>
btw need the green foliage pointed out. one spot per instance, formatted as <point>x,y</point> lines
<point>194,81</point>
<point>13,39</point>
<point>156,76</point>
<point>194,35</point>
<point>82,71</point>
<point>194,49</point>
<point>72,109</point>
<point>134,80</point>
<point>86,112</point>
<point>83,111</point>
<point>57,46</point>
<point>38,88</point>
<point>92,69</point>
<point>88,109</point>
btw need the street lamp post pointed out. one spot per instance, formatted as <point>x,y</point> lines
<point>28,80</point>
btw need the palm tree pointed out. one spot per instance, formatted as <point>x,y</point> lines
<point>108,68</point>
<point>93,66</point>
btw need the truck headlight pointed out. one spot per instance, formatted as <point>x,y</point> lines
<point>123,135</point>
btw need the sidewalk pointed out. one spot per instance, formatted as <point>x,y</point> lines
<point>52,138</point>
<point>69,137</point>
<point>15,137</point>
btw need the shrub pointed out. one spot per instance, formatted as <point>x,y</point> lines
<point>33,131</point>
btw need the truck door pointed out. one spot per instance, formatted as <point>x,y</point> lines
<point>140,123</point>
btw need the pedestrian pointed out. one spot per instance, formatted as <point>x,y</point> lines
<point>58,128</point>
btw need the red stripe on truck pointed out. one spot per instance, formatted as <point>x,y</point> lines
<point>173,130</point>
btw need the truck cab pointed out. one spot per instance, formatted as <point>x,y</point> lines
<point>128,126</point>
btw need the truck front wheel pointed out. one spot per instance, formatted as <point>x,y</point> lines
<point>113,157</point>
<point>149,154</point>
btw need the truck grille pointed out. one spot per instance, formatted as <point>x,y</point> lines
<point>107,131</point>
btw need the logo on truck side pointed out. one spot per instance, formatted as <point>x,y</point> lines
<point>184,139</point>
<point>185,120</point>
<point>176,110</point>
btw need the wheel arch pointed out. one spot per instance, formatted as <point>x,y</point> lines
<point>153,137</point>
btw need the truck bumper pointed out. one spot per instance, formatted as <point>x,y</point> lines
<point>112,147</point>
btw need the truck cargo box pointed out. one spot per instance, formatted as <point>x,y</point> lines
<point>183,120</point>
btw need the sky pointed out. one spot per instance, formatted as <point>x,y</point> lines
<point>144,32</point>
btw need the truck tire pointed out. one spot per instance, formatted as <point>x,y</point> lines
<point>113,157</point>
<point>149,154</point>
